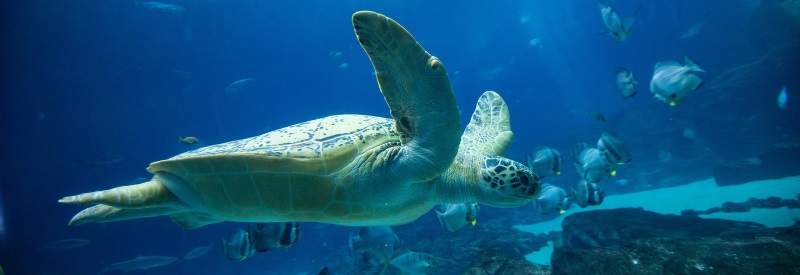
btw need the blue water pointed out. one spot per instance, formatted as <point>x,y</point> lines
<point>87,79</point>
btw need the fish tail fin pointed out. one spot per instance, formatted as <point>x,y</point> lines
<point>440,217</point>
<point>180,139</point>
<point>692,65</point>
<point>385,261</point>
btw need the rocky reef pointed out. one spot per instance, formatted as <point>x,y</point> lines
<point>634,241</point>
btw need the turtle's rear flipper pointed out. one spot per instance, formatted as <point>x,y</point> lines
<point>151,193</point>
<point>103,213</point>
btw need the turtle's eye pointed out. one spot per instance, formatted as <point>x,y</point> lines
<point>523,178</point>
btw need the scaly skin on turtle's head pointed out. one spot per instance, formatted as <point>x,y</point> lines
<point>506,183</point>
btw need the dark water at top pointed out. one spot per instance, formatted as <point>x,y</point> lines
<point>85,80</point>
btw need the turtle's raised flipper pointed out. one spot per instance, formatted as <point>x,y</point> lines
<point>489,131</point>
<point>151,193</point>
<point>104,213</point>
<point>416,88</point>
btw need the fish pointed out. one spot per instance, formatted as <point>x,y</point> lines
<point>623,183</point>
<point>552,199</point>
<point>626,83</point>
<point>694,29</point>
<point>188,140</point>
<point>587,194</point>
<point>271,235</point>
<point>546,162</point>
<point>373,245</point>
<point>197,252</point>
<point>238,245</point>
<point>63,244</point>
<point>613,149</point>
<point>416,262</point>
<point>782,98</point>
<point>140,263</point>
<point>239,85</point>
<point>598,116</point>
<point>102,160</point>
<point>672,81</point>
<point>458,215</point>
<point>163,7</point>
<point>592,166</point>
<point>617,27</point>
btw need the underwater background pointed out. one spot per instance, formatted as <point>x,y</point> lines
<point>94,91</point>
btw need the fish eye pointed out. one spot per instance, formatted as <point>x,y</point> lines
<point>672,96</point>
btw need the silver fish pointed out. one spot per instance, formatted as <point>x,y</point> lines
<point>618,28</point>
<point>553,199</point>
<point>592,166</point>
<point>275,234</point>
<point>64,244</point>
<point>626,83</point>
<point>140,263</point>
<point>416,262</point>
<point>587,194</point>
<point>373,245</point>
<point>102,160</point>
<point>239,85</point>
<point>197,252</point>
<point>782,99</point>
<point>458,215</point>
<point>672,81</point>
<point>694,29</point>
<point>238,245</point>
<point>613,149</point>
<point>546,162</point>
<point>163,7</point>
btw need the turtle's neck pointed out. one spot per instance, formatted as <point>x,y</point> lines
<point>459,183</point>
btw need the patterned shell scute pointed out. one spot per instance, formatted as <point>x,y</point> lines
<point>318,147</point>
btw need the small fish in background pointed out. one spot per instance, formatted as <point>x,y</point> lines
<point>552,199</point>
<point>598,116</point>
<point>617,27</point>
<point>626,83</point>
<point>188,140</point>
<point>102,160</point>
<point>416,262</point>
<point>782,98</point>
<point>140,263</point>
<point>271,235</point>
<point>623,183</point>
<point>689,133</point>
<point>335,54</point>
<point>238,245</point>
<point>613,149</point>
<point>373,245</point>
<point>163,7</point>
<point>63,244</point>
<point>672,81</point>
<point>197,252</point>
<point>344,66</point>
<point>694,29</point>
<point>546,162</point>
<point>458,215</point>
<point>239,85</point>
<point>587,194</point>
<point>536,42</point>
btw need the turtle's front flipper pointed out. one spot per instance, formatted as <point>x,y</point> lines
<point>489,131</point>
<point>417,90</point>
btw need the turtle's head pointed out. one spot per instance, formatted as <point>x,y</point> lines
<point>506,183</point>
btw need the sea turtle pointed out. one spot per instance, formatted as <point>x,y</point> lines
<point>344,169</point>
